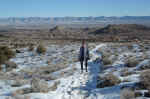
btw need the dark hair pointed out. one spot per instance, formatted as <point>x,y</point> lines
<point>83,42</point>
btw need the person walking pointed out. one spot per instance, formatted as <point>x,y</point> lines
<point>84,55</point>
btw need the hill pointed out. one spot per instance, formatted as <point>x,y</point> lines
<point>123,32</point>
<point>74,20</point>
<point>121,28</point>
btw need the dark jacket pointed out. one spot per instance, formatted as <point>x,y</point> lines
<point>83,54</point>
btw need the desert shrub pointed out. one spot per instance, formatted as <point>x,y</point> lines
<point>105,58</point>
<point>43,72</point>
<point>130,47</point>
<point>28,72</point>
<point>20,94</point>
<point>145,56</point>
<point>105,54</point>
<point>138,94</point>
<point>10,65</point>
<point>18,82</point>
<point>41,49</point>
<point>126,72</point>
<point>38,85</point>
<point>144,65</point>
<point>1,67</point>
<point>7,51</point>
<point>51,68</point>
<point>3,58</point>
<point>106,61</point>
<point>127,94</point>
<point>54,86</point>
<point>108,80</point>
<point>145,79</point>
<point>21,45</point>
<point>5,54</point>
<point>49,62</point>
<point>132,62</point>
<point>31,48</point>
<point>147,94</point>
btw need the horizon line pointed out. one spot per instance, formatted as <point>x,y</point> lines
<point>70,16</point>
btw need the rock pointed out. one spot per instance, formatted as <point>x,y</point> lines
<point>18,51</point>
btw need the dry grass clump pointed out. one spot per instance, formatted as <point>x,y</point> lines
<point>108,80</point>
<point>126,72</point>
<point>138,94</point>
<point>41,49</point>
<point>19,45</point>
<point>21,93</point>
<point>132,62</point>
<point>145,56</point>
<point>22,44</point>
<point>105,58</point>
<point>28,72</point>
<point>144,65</point>
<point>5,54</point>
<point>31,47</point>
<point>51,68</point>
<point>127,94</point>
<point>10,65</point>
<point>145,79</point>
<point>54,86</point>
<point>38,85</point>
<point>43,72</point>
<point>3,58</point>
<point>1,67</point>
<point>130,47</point>
<point>19,82</point>
<point>106,54</point>
<point>67,73</point>
<point>18,96</point>
<point>107,61</point>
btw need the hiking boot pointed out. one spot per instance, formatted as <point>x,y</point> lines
<point>86,70</point>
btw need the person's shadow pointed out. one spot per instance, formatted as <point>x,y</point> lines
<point>90,87</point>
<point>93,72</point>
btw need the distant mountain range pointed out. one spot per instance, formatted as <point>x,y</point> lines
<point>74,20</point>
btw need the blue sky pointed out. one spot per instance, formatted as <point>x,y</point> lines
<point>60,8</point>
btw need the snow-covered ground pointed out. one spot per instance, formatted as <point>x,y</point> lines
<point>77,85</point>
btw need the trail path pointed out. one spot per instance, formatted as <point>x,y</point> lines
<point>78,86</point>
<point>81,86</point>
